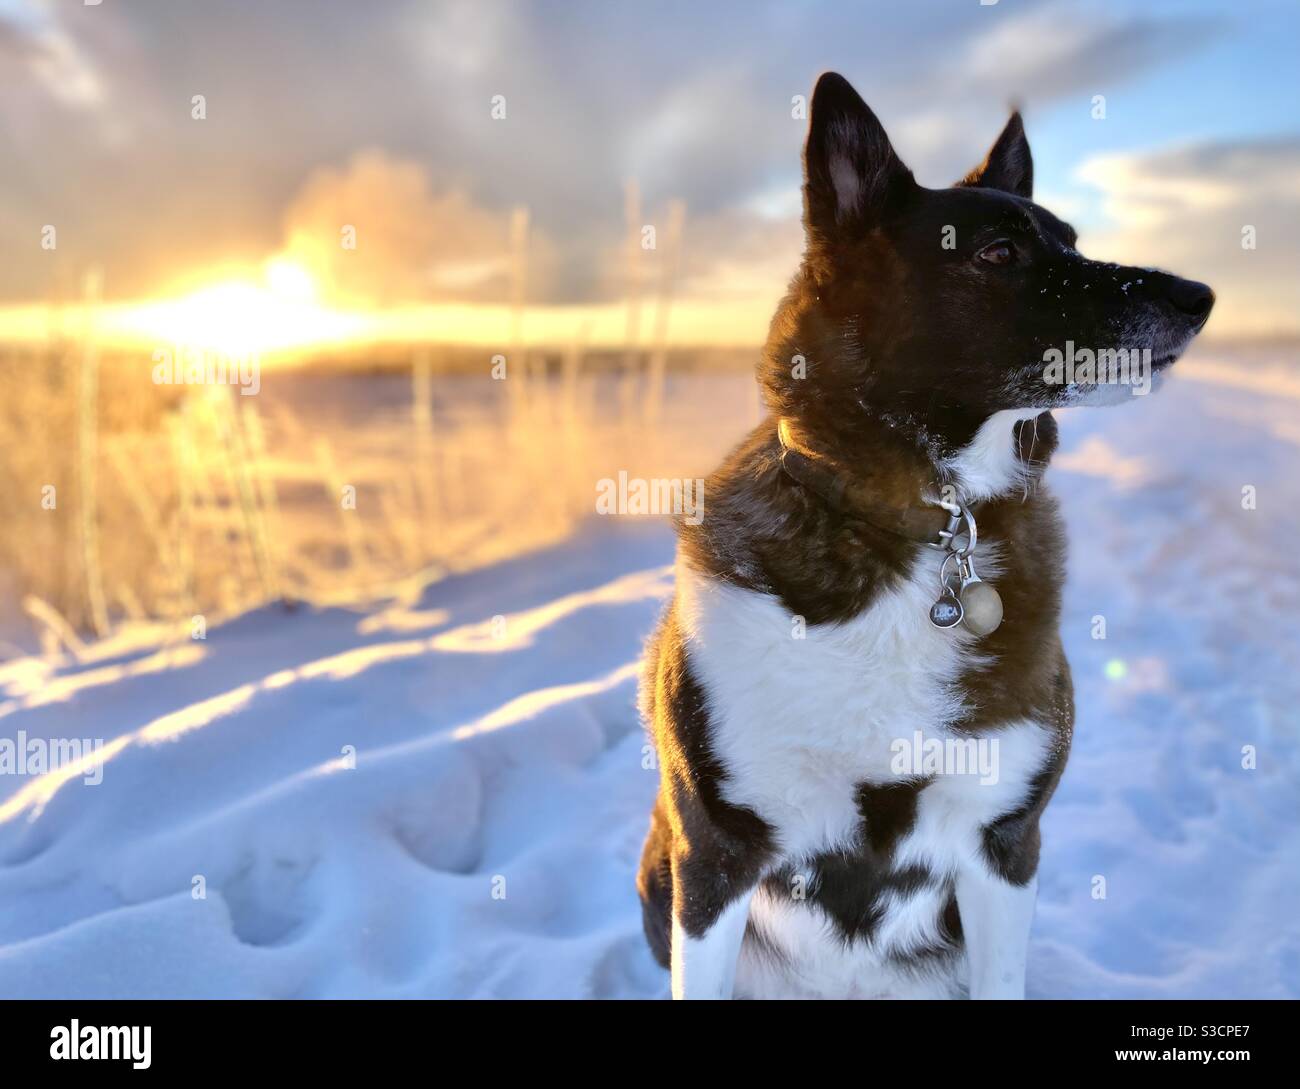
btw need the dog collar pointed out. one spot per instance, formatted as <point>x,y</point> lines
<point>948,527</point>
<point>936,524</point>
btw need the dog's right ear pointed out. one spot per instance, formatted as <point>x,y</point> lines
<point>851,173</point>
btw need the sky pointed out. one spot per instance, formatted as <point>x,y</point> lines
<point>319,115</point>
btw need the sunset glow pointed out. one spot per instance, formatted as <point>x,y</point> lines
<point>282,313</point>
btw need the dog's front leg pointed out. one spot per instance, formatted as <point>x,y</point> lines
<point>704,959</point>
<point>995,919</point>
<point>715,872</point>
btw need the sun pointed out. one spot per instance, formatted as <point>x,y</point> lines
<point>288,279</point>
<point>278,311</point>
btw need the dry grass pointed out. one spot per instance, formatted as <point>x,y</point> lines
<point>334,483</point>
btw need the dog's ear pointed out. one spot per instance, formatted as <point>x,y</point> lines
<point>1009,166</point>
<point>851,173</point>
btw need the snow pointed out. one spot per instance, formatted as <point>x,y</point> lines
<point>446,798</point>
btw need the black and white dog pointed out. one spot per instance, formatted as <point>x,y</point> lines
<point>858,733</point>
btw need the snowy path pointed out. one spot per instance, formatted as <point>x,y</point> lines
<point>485,842</point>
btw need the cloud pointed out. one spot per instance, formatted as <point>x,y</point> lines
<point>740,254</point>
<point>40,50</point>
<point>1033,57</point>
<point>1059,49</point>
<point>691,101</point>
<point>63,70</point>
<point>412,243</point>
<point>1186,208</point>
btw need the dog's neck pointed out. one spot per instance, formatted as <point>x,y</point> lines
<point>858,495</point>
<point>1003,454</point>
<point>1000,458</point>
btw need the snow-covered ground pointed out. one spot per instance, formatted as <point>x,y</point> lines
<point>447,797</point>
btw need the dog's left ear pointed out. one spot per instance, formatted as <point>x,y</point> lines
<point>1009,166</point>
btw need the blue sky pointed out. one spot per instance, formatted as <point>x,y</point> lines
<point>1241,82</point>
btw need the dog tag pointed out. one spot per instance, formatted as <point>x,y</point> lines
<point>947,611</point>
<point>981,604</point>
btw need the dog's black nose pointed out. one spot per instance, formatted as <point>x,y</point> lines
<point>1192,298</point>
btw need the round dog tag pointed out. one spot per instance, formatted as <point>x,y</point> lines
<point>947,611</point>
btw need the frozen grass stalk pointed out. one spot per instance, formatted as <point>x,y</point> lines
<point>87,443</point>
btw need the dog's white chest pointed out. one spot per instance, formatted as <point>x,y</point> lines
<point>800,720</point>
<point>800,716</point>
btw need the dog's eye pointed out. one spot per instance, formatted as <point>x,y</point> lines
<point>997,253</point>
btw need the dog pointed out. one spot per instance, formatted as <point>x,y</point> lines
<point>858,693</point>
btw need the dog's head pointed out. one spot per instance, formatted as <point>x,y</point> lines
<point>925,304</point>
